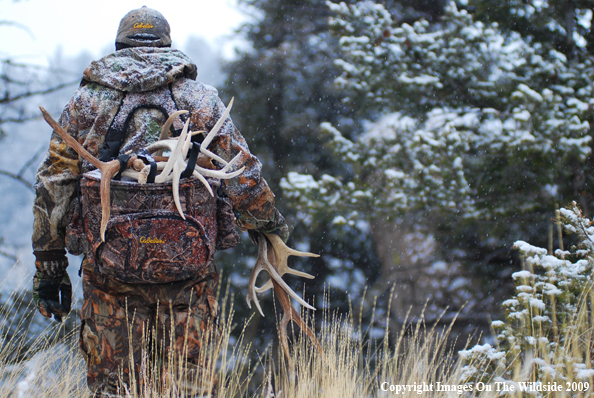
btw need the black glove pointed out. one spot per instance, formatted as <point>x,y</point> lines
<point>52,290</point>
<point>253,234</point>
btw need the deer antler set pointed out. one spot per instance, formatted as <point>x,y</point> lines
<point>170,168</point>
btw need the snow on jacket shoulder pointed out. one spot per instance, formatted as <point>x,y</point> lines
<point>114,87</point>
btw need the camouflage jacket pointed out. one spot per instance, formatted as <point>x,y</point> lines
<point>114,86</point>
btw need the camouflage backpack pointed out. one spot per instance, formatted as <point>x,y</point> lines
<point>146,240</point>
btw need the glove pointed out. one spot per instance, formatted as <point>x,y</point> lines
<point>283,233</point>
<point>52,296</point>
<point>253,234</point>
<point>52,290</point>
<point>278,227</point>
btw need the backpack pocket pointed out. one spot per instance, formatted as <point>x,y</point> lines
<point>153,247</point>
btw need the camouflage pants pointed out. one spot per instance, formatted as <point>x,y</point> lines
<point>150,337</point>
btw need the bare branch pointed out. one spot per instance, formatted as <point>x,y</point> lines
<point>21,119</point>
<point>18,25</point>
<point>30,161</point>
<point>18,178</point>
<point>7,99</point>
<point>10,62</point>
<point>7,255</point>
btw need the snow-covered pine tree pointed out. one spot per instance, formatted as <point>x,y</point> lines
<point>475,134</point>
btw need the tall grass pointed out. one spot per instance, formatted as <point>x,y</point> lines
<point>353,365</point>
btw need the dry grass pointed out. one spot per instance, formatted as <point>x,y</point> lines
<point>357,366</point>
<point>353,364</point>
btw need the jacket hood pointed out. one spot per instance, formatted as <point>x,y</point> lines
<point>140,69</point>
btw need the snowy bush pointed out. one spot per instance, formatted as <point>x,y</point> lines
<point>547,334</point>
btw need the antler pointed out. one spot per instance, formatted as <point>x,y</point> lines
<point>165,129</point>
<point>176,165</point>
<point>171,170</point>
<point>108,170</point>
<point>273,258</point>
<point>213,132</point>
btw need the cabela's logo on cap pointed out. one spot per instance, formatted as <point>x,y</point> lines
<point>144,239</point>
<point>139,25</point>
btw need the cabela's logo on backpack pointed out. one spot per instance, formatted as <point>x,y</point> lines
<point>144,239</point>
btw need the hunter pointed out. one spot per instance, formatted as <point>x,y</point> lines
<point>122,103</point>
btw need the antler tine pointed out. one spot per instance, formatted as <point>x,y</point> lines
<point>165,129</point>
<point>203,181</point>
<point>218,125</point>
<point>218,173</point>
<point>71,142</point>
<point>213,156</point>
<point>291,314</point>
<point>261,265</point>
<point>107,173</point>
<point>178,169</point>
<point>175,154</point>
<point>161,145</point>
<point>231,162</point>
<point>187,144</point>
<point>175,164</point>
<point>179,166</point>
<point>282,253</point>
<point>108,170</point>
<point>213,132</point>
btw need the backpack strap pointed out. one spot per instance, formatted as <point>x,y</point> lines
<point>123,165</point>
<point>114,137</point>
<point>108,141</point>
<point>191,161</point>
<point>148,158</point>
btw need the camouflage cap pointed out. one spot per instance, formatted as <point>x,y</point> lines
<point>144,27</point>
